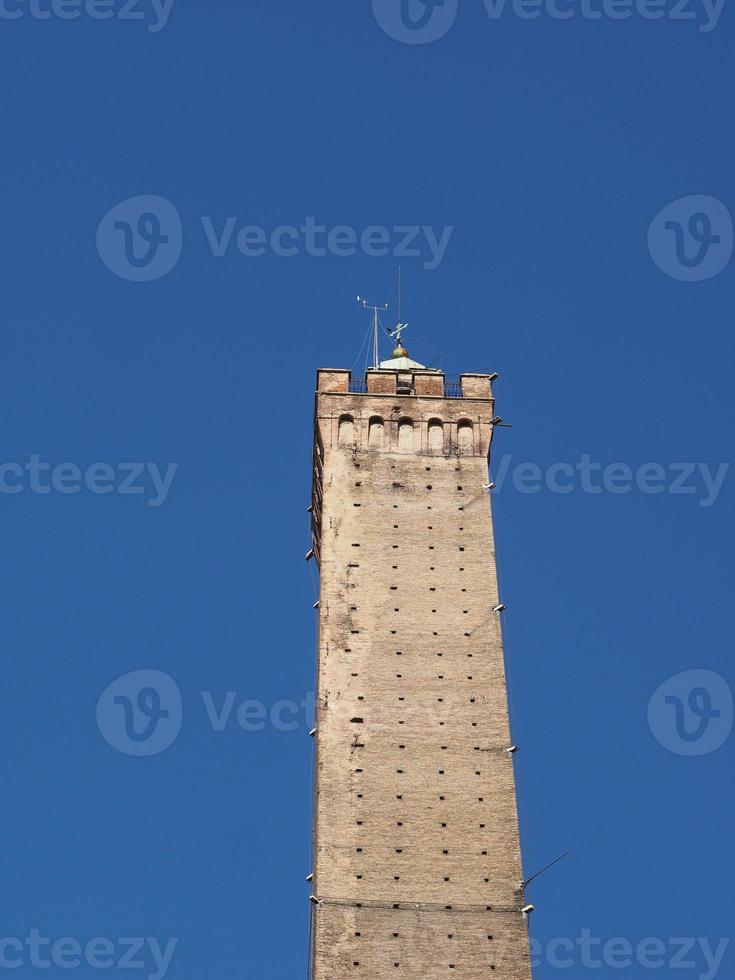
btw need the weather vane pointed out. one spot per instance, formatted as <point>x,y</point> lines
<point>400,350</point>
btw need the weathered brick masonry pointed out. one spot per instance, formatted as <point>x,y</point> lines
<point>417,866</point>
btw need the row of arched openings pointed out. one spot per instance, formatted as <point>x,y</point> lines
<point>406,433</point>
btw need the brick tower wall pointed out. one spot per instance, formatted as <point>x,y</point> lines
<point>417,867</point>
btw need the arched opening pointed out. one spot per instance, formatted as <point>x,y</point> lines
<point>346,430</point>
<point>375,433</point>
<point>405,434</point>
<point>465,437</point>
<point>436,435</point>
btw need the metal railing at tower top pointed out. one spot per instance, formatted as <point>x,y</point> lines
<point>452,389</point>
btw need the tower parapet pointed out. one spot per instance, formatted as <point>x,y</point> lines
<point>405,381</point>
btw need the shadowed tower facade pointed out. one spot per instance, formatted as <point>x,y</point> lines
<point>417,867</point>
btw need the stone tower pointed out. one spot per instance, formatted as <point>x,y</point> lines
<point>417,866</point>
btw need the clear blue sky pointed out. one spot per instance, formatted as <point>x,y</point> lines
<point>548,146</point>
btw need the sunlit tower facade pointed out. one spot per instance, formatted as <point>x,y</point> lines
<point>417,867</point>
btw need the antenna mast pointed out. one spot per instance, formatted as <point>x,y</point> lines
<point>376,325</point>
